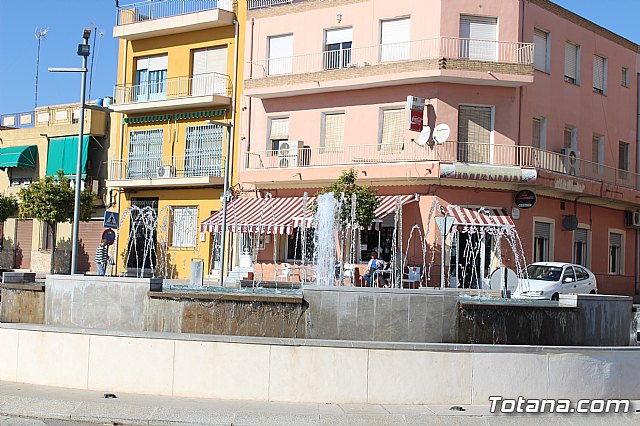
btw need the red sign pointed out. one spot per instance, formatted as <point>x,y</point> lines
<point>525,199</point>
<point>109,236</point>
<point>415,106</point>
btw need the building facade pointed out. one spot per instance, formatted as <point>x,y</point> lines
<point>535,98</point>
<point>36,144</point>
<point>176,84</point>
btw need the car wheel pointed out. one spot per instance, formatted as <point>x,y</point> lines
<point>555,296</point>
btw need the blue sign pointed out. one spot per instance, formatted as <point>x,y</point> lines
<point>111,219</point>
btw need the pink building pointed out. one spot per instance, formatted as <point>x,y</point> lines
<point>536,98</point>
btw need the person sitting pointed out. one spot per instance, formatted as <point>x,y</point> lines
<point>373,265</point>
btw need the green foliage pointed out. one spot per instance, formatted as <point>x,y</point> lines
<point>8,206</point>
<point>52,199</point>
<point>366,200</point>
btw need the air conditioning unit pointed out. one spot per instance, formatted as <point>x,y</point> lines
<point>632,219</point>
<point>165,172</point>
<point>288,153</point>
<point>571,161</point>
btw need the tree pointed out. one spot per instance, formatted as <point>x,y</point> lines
<point>51,200</point>
<point>366,200</point>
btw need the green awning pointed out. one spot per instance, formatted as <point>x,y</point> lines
<point>19,156</point>
<point>63,153</point>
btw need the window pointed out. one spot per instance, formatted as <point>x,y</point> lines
<point>392,136</point>
<point>539,133</point>
<point>209,71</point>
<point>542,242</point>
<point>395,36</point>
<point>479,37</point>
<point>19,176</point>
<point>203,151</point>
<point>280,54</point>
<point>580,246</point>
<point>337,48</point>
<point>185,227</point>
<point>46,236</point>
<point>625,77</point>
<point>294,245</point>
<point>570,137</point>
<point>600,75</point>
<point>568,275</point>
<point>145,153</point>
<point>278,132</point>
<point>571,63</point>
<point>541,50</point>
<point>597,152</point>
<point>378,240</point>
<point>151,78</point>
<point>474,134</point>
<point>581,274</point>
<point>616,253</point>
<point>333,132</point>
<point>623,160</point>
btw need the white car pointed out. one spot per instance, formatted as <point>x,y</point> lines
<point>547,280</point>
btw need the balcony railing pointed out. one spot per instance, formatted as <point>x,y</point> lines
<point>441,48</point>
<point>46,116</point>
<point>207,164</point>
<point>174,88</point>
<point>259,4</point>
<point>148,10</point>
<point>464,152</point>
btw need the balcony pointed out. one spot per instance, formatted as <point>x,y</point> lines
<point>60,120</point>
<point>456,159</point>
<point>443,59</point>
<point>261,4</point>
<point>157,18</point>
<point>202,90</point>
<point>190,171</point>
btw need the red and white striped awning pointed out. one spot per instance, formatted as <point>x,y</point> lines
<point>484,217</point>
<point>280,215</point>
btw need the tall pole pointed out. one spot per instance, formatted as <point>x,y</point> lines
<point>40,34</point>
<point>83,50</point>
<point>225,196</point>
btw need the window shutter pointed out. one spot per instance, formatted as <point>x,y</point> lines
<point>474,124</point>
<point>540,49</point>
<point>392,128</point>
<point>543,230</point>
<point>481,34</point>
<point>217,60</point>
<point>537,130</point>
<point>580,235</point>
<point>280,54</point>
<point>158,63</point>
<point>571,61</point>
<point>334,131</point>
<point>595,149</point>
<point>279,128</point>
<point>395,36</point>
<point>199,62</point>
<point>615,239</point>
<point>142,63</point>
<point>598,73</point>
<point>341,35</point>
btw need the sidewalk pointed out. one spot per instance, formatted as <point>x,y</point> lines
<point>22,400</point>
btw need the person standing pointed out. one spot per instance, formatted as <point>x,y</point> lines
<point>102,257</point>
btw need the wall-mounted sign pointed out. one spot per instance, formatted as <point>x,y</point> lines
<point>515,213</point>
<point>525,199</point>
<point>415,106</point>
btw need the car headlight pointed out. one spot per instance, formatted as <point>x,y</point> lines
<point>535,293</point>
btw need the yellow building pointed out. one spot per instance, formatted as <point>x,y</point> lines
<point>177,81</point>
<point>38,143</point>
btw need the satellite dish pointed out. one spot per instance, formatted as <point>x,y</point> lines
<point>424,136</point>
<point>441,133</point>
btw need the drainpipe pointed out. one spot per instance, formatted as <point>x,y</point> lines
<point>520,88</point>
<point>119,155</point>
<point>637,168</point>
<point>230,148</point>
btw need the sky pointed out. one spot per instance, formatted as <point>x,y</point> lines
<point>65,20</point>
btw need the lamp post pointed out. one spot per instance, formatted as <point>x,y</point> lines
<point>83,50</point>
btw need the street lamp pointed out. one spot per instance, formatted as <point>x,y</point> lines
<point>83,50</point>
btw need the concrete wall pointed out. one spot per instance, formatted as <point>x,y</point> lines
<point>290,370</point>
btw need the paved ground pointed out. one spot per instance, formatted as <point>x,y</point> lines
<point>29,405</point>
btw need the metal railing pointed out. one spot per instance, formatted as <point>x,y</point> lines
<point>259,4</point>
<point>149,10</point>
<point>45,116</point>
<point>442,48</point>
<point>174,88</point>
<point>452,151</point>
<point>208,164</point>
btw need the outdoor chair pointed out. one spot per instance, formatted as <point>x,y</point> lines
<point>283,273</point>
<point>412,279</point>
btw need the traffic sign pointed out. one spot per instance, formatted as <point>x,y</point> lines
<point>109,236</point>
<point>111,219</point>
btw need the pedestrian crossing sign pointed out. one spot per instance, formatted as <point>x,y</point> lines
<point>111,219</point>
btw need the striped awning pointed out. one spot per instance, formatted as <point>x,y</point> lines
<point>479,218</point>
<point>280,215</point>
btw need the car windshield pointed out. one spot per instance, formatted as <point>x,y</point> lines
<point>544,273</point>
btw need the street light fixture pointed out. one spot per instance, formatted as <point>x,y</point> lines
<point>84,51</point>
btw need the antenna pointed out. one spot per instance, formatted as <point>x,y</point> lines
<point>96,31</point>
<point>40,34</point>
